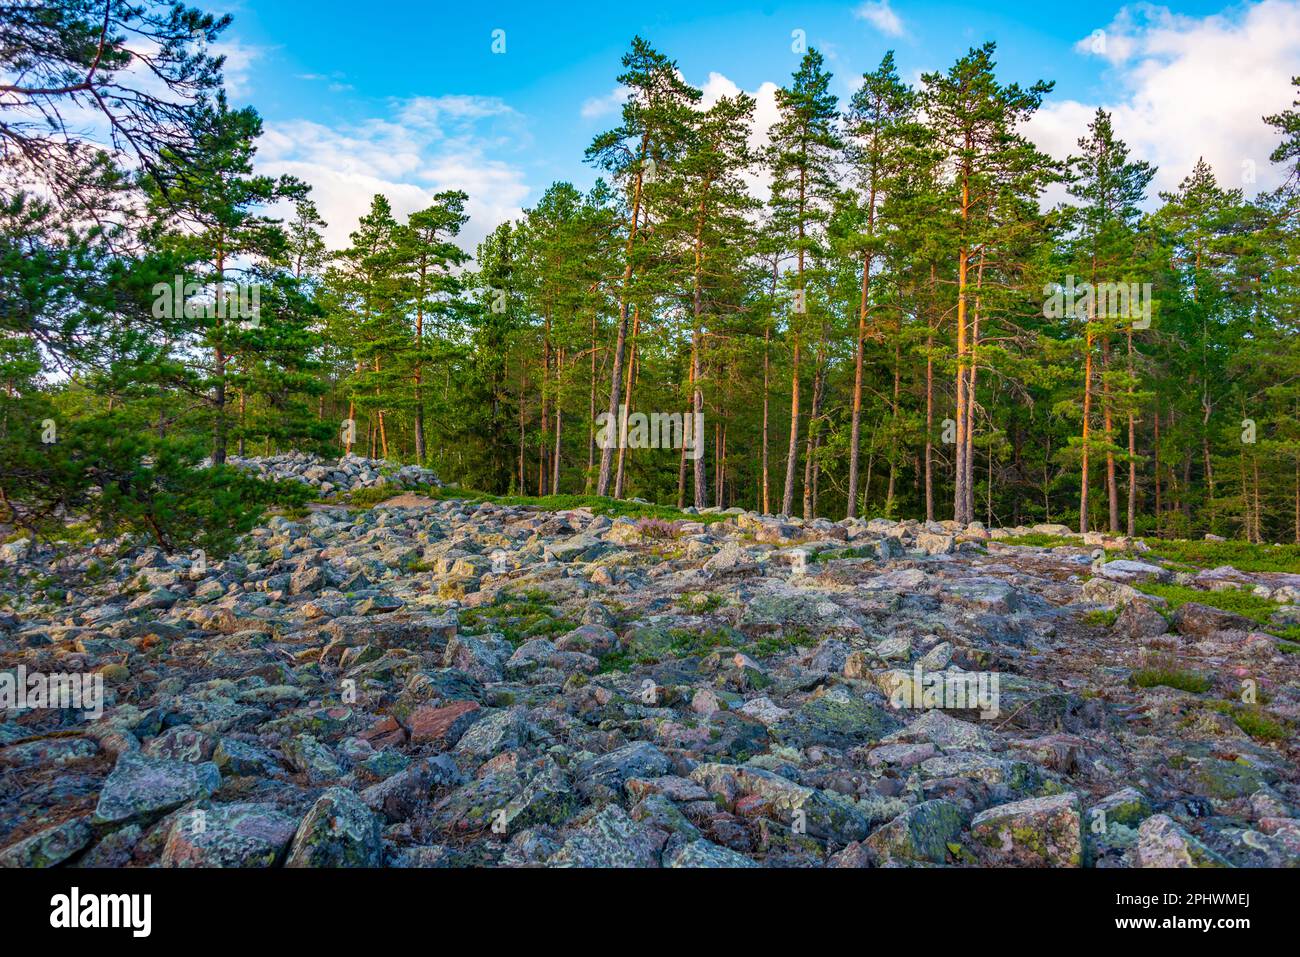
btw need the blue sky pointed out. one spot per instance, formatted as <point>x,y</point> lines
<point>410,98</point>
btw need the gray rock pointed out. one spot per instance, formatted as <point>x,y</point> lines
<point>141,788</point>
<point>338,831</point>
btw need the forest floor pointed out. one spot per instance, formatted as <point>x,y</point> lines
<point>435,681</point>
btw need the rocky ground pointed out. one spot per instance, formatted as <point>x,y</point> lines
<point>459,684</point>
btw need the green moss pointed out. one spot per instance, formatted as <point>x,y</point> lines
<point>787,641</point>
<point>1036,540</point>
<point>1238,601</point>
<point>1242,556</point>
<point>517,617</point>
<point>702,602</point>
<point>1171,678</point>
<point>838,554</point>
<point>1252,720</point>
<point>1102,618</point>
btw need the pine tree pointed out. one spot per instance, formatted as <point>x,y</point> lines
<point>214,215</point>
<point>801,157</point>
<point>656,123</point>
<point>1110,189</point>
<point>430,258</point>
<point>881,130</point>
<point>975,121</point>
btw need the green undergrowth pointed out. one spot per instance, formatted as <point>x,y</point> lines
<point>1167,676</point>
<point>1252,720</point>
<point>1242,556</point>
<point>1037,540</point>
<point>1238,601</point>
<point>1184,553</point>
<point>518,617</point>
<point>837,554</point>
<point>611,507</point>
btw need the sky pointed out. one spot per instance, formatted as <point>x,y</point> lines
<point>409,98</point>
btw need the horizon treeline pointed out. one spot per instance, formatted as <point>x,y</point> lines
<point>874,312</point>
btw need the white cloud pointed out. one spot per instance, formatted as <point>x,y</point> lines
<point>1191,87</point>
<point>240,58</point>
<point>426,145</point>
<point>881,16</point>
<point>600,106</point>
<point>765,114</point>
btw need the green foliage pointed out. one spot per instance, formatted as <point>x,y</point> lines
<point>1243,556</point>
<point>1169,677</point>
<point>818,330</point>
<point>1239,601</point>
<point>1254,721</point>
<point>122,480</point>
<point>519,617</point>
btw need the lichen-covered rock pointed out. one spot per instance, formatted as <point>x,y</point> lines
<point>707,854</point>
<point>610,839</point>
<point>142,788</point>
<point>805,810</point>
<point>836,719</point>
<point>637,760</point>
<point>1163,843</point>
<point>921,833</point>
<point>483,656</point>
<point>1038,832</point>
<point>1128,806</point>
<point>1200,620</point>
<point>229,835</point>
<point>50,847</point>
<point>493,733</point>
<point>338,831</point>
<point>398,796</point>
<point>1140,620</point>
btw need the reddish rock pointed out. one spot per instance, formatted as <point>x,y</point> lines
<point>385,733</point>
<point>443,725</point>
<point>753,805</point>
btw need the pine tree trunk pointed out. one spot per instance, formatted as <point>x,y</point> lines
<point>767,478</point>
<point>681,469</point>
<point>792,453</point>
<point>523,385</point>
<point>623,450</point>
<point>219,371</point>
<point>383,432</point>
<point>893,464</point>
<point>929,433</point>
<point>543,459</point>
<point>420,450</point>
<point>1155,441</point>
<point>591,412</point>
<point>810,454</point>
<point>863,309</point>
<point>243,421</point>
<point>616,374</point>
<point>1108,426</point>
<point>697,387</point>
<point>559,426</point>
<point>1087,417</point>
<point>960,492</point>
<point>1132,445</point>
